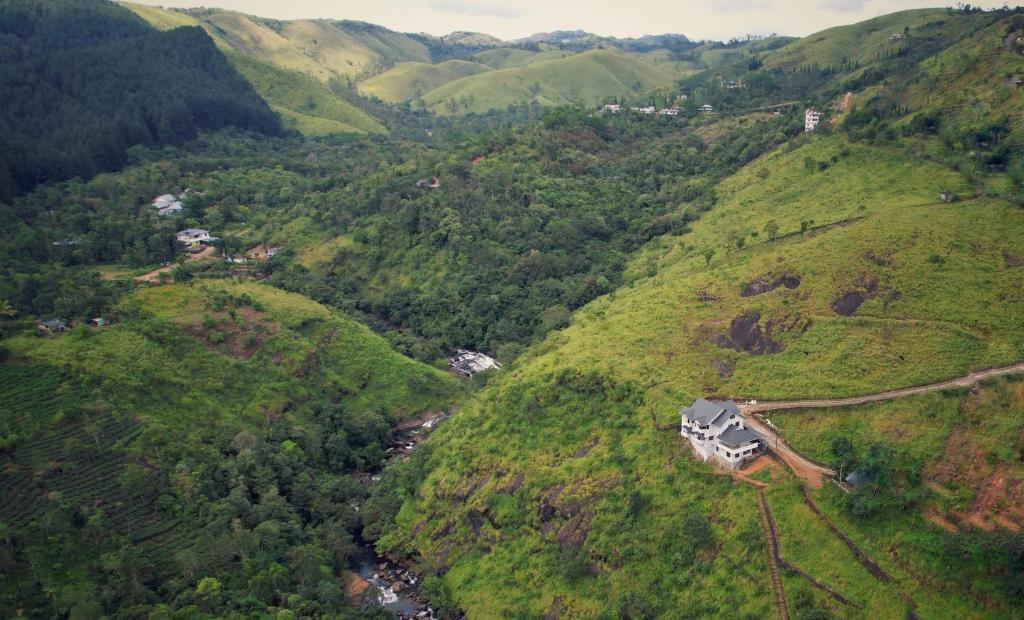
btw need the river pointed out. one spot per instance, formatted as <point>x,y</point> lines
<point>391,585</point>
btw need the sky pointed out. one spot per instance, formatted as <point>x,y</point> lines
<point>512,19</point>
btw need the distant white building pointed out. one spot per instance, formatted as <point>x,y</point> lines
<point>614,108</point>
<point>468,363</point>
<point>811,119</point>
<point>162,202</point>
<point>895,37</point>
<point>171,209</point>
<point>717,430</point>
<point>646,109</point>
<point>190,236</point>
<point>706,109</point>
<point>672,111</point>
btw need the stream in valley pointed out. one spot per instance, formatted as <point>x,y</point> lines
<point>381,581</point>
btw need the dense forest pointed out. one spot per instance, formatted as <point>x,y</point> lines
<point>85,81</point>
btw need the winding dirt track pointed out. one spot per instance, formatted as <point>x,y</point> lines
<point>814,472</point>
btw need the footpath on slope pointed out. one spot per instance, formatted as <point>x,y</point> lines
<point>814,472</point>
<point>153,276</point>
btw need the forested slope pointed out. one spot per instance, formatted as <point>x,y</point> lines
<point>65,69</point>
<point>206,436</point>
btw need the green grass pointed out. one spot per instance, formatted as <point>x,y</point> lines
<point>507,57</point>
<point>410,80</point>
<point>304,103</point>
<point>945,304</point>
<point>322,49</point>
<point>864,42</point>
<point>584,79</point>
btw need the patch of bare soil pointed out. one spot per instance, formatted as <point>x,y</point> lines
<point>847,303</point>
<point>940,521</point>
<point>240,337</point>
<point>746,334</point>
<point>1013,259</point>
<point>768,283</point>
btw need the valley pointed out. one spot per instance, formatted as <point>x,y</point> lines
<point>231,319</point>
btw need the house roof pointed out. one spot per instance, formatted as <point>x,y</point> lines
<point>53,323</point>
<point>192,232</point>
<point>704,411</point>
<point>735,437</point>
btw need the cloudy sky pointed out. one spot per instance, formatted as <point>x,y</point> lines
<point>509,19</point>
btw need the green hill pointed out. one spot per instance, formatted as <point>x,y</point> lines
<point>291,83</point>
<point>509,57</point>
<point>86,80</point>
<point>131,428</point>
<point>410,80</point>
<point>553,476</point>
<point>323,49</point>
<point>584,79</point>
<point>304,103</point>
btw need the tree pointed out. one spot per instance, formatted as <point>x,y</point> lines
<point>772,229</point>
<point>844,453</point>
<point>708,255</point>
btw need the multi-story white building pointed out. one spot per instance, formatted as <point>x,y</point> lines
<point>716,430</point>
<point>811,119</point>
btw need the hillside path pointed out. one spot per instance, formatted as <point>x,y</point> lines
<point>153,276</point>
<point>813,472</point>
<point>964,381</point>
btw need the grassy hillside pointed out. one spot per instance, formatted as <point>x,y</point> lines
<point>322,49</point>
<point>410,80</point>
<point>130,427</point>
<point>584,79</point>
<point>291,83</point>
<point>559,453</point>
<point>865,42</point>
<point>304,103</point>
<point>509,57</point>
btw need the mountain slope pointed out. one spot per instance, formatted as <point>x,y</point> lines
<point>304,103</point>
<point>292,86</point>
<point>114,478</point>
<point>323,49</point>
<point>559,456</point>
<point>583,79</point>
<point>410,80</point>
<point>77,97</point>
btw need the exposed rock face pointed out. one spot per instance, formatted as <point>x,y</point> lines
<point>765,284</point>
<point>746,334</point>
<point>847,303</point>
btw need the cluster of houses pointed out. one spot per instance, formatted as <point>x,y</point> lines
<point>615,108</point>
<point>468,363</point>
<point>169,204</point>
<point>718,432</point>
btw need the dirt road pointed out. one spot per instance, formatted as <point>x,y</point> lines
<point>966,381</point>
<point>153,276</point>
<point>812,472</point>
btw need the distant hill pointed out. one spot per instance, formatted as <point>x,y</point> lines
<point>84,80</point>
<point>584,79</point>
<point>410,80</point>
<point>279,69</point>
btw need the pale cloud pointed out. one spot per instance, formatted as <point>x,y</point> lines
<point>479,9</point>
<point>843,6</point>
<point>739,6</point>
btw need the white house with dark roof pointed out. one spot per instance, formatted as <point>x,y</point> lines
<point>193,235</point>
<point>717,430</point>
